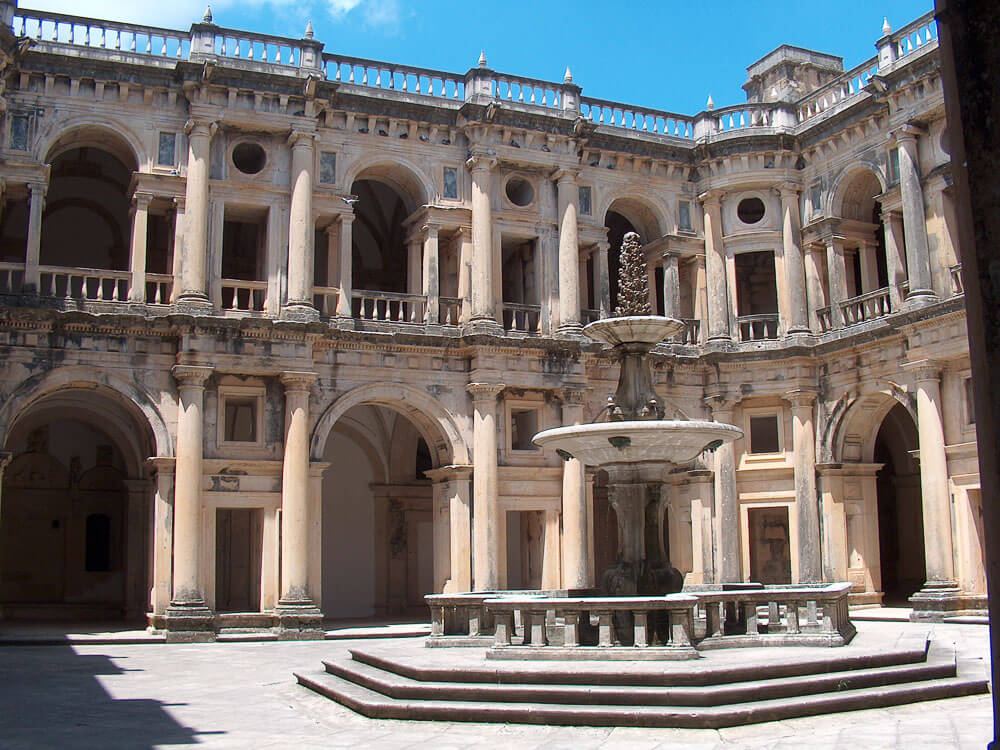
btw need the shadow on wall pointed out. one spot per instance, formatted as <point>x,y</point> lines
<point>52,698</point>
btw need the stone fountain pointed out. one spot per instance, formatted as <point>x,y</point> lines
<point>636,446</point>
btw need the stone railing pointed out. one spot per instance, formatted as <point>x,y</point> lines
<point>868,306</point>
<point>450,310</point>
<point>758,327</point>
<point>456,618</point>
<point>159,287</point>
<point>325,299</point>
<point>800,616</point>
<point>11,278</point>
<point>524,90</point>
<point>389,307</point>
<point>521,318</point>
<point>589,316</point>
<point>243,296</point>
<point>848,85</point>
<point>85,284</point>
<point>663,621</point>
<point>616,114</point>
<point>744,116</point>
<point>382,75</point>
<point>263,48</point>
<point>99,34</point>
<point>915,35</point>
<point>957,288</point>
<point>825,317</point>
<point>691,333</point>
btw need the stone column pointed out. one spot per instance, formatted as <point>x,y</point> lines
<point>651,289</point>
<point>187,617</point>
<point>715,270</point>
<point>727,506</point>
<point>837,274</point>
<point>869,267</point>
<point>814,261</point>
<point>602,286</point>
<point>575,533</point>
<point>918,259</point>
<point>895,257</point>
<point>140,235</point>
<point>700,491</point>
<point>298,615</point>
<point>163,532</point>
<point>671,285</point>
<point>33,251</point>
<point>301,230</point>
<point>934,493</point>
<point>440,533</point>
<point>798,311</point>
<point>453,482</point>
<point>465,254</point>
<point>806,499</point>
<point>569,254</point>
<point>550,552</point>
<point>346,260</point>
<point>485,487</point>
<point>194,281</point>
<point>177,261</point>
<point>484,314</point>
<point>432,274</point>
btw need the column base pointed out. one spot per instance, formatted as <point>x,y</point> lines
<point>189,623</point>
<point>195,302</point>
<point>920,297</point>
<point>299,312</point>
<point>573,331</point>
<point>483,325</point>
<point>299,621</point>
<point>936,600</point>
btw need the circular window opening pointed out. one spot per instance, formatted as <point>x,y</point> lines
<point>249,158</point>
<point>520,192</point>
<point>750,210</point>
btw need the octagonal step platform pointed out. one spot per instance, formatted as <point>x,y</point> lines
<point>408,681</point>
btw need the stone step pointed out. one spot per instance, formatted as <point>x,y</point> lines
<point>970,680</point>
<point>940,666</point>
<point>680,673</point>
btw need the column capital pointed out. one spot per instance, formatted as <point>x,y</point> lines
<point>295,381</point>
<point>142,200</point>
<point>449,473</point>
<point>299,138</point>
<point>712,198</point>
<point>36,186</point>
<point>924,370</point>
<point>430,230</point>
<point>481,161</point>
<point>205,128</point>
<point>484,391</point>
<point>179,203</point>
<point>789,189</point>
<point>191,376</point>
<point>906,132</point>
<point>801,398</point>
<point>563,175</point>
<point>575,396</point>
<point>347,218</point>
<point>719,403</point>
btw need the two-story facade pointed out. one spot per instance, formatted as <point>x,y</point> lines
<point>278,325</point>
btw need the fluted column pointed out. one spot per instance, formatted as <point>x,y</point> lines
<point>485,487</point>
<point>194,281</point>
<point>346,260</point>
<point>187,613</point>
<point>301,229</point>
<point>33,251</point>
<point>575,533</point>
<point>795,277</point>
<point>934,493</point>
<point>569,254</point>
<point>806,500</point>
<point>727,508</point>
<point>432,274</point>
<point>671,285</point>
<point>140,234</point>
<point>602,286</point>
<point>484,314</point>
<point>298,614</point>
<point>837,275</point>
<point>715,270</point>
<point>918,259</point>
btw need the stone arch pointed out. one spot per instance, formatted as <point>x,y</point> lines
<point>433,422</point>
<point>405,177</point>
<point>648,218</point>
<point>853,428</point>
<point>368,443</point>
<point>135,402</point>
<point>861,180</point>
<point>107,134</point>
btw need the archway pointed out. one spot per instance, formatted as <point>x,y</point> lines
<point>857,202</point>
<point>626,215</point>
<point>900,516</point>
<point>75,524</point>
<point>378,542</point>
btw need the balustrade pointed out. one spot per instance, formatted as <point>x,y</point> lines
<point>325,300</point>
<point>159,288</point>
<point>915,35</point>
<point>615,114</point>
<point>390,307</point>
<point>956,280</point>
<point>450,310</point>
<point>589,316</point>
<point>99,34</point>
<point>84,284</point>
<point>691,333</point>
<point>522,318</point>
<point>243,296</point>
<point>825,316</point>
<point>851,83</point>
<point>868,306</point>
<point>525,90</point>
<point>758,327</point>
<point>383,75</point>
<point>744,116</point>
<point>260,47</point>
<point>11,277</point>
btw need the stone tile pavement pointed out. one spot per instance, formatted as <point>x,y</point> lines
<point>243,695</point>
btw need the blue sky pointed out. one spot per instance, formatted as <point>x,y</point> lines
<point>666,55</point>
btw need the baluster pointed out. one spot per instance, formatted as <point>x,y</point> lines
<point>250,51</point>
<point>149,44</point>
<point>72,33</point>
<point>545,94</point>
<point>163,49</point>
<point>455,92</point>
<point>55,30</point>
<point>417,83</point>
<point>132,42</point>
<point>222,49</point>
<point>351,79</point>
<point>364,80</point>
<point>114,292</point>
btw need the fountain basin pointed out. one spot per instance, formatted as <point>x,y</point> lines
<point>670,440</point>
<point>634,329</point>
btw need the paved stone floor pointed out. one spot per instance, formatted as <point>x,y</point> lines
<point>243,695</point>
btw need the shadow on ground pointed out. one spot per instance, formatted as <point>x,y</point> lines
<point>51,698</point>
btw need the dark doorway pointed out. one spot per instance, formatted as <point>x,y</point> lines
<point>618,226</point>
<point>770,550</point>
<point>900,514</point>
<point>238,539</point>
